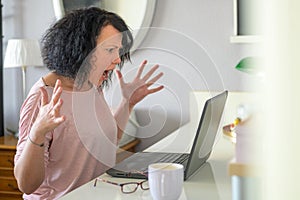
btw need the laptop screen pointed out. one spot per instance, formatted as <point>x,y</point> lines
<point>207,131</point>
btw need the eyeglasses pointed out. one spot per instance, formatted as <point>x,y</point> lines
<point>127,188</point>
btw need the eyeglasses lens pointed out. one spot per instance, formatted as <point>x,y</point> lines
<point>145,185</point>
<point>129,188</point>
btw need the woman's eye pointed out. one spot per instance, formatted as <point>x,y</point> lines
<point>110,50</point>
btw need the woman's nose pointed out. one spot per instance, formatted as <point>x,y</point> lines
<point>117,60</point>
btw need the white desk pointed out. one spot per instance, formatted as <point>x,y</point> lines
<point>211,181</point>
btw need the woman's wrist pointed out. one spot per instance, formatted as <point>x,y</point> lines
<point>35,143</point>
<point>36,138</point>
<point>127,104</point>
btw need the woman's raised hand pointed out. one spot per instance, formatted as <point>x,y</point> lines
<point>138,88</point>
<point>49,116</point>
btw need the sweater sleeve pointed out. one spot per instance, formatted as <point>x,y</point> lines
<point>28,114</point>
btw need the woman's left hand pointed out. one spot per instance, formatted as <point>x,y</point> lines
<point>138,89</point>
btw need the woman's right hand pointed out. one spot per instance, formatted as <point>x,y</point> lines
<point>49,116</point>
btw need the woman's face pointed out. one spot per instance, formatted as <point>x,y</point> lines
<point>106,55</point>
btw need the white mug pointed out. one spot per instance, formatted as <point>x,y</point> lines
<point>165,180</point>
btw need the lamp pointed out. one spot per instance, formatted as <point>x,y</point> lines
<point>23,53</point>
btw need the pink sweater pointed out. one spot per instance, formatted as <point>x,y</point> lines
<point>78,150</point>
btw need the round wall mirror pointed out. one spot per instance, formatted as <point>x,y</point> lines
<point>137,14</point>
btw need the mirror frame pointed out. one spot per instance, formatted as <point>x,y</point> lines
<point>140,35</point>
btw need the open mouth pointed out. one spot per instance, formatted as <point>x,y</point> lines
<point>106,74</point>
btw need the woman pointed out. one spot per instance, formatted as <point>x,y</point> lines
<point>68,135</point>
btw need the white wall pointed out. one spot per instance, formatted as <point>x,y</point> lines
<point>189,39</point>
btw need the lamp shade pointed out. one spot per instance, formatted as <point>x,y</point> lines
<point>22,52</point>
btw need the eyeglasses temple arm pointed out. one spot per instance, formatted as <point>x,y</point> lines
<point>106,181</point>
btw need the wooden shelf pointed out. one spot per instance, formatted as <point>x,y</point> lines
<point>246,39</point>
<point>127,150</point>
<point>8,184</point>
<point>130,146</point>
<point>8,142</point>
<point>243,169</point>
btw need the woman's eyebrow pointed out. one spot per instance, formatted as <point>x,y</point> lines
<point>112,45</point>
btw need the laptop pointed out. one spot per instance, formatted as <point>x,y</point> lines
<point>136,166</point>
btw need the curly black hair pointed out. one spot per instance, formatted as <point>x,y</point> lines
<point>68,42</point>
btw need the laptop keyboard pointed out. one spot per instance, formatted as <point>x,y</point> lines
<point>172,158</point>
<point>175,158</point>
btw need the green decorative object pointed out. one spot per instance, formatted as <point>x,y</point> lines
<point>250,65</point>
